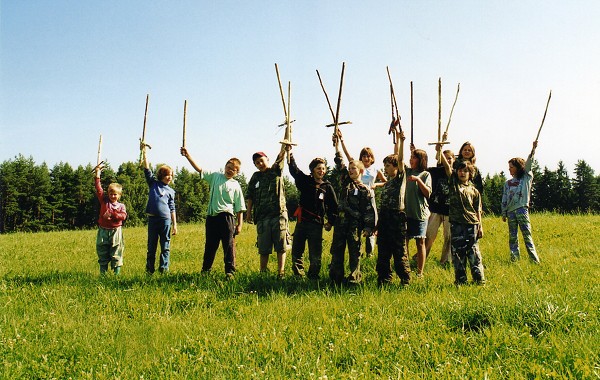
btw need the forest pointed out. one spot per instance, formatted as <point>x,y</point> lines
<point>34,197</point>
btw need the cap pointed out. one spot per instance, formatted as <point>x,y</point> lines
<point>258,155</point>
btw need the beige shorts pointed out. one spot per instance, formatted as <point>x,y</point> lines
<point>273,235</point>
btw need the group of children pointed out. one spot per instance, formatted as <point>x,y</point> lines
<point>414,201</point>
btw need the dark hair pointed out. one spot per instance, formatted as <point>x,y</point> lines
<point>519,164</point>
<point>163,171</point>
<point>391,159</point>
<point>466,164</point>
<point>315,162</point>
<point>421,155</point>
<point>366,151</point>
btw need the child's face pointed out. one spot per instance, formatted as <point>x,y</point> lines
<point>113,196</point>
<point>366,160</point>
<point>512,169</point>
<point>467,152</point>
<point>449,158</point>
<point>354,172</point>
<point>167,178</point>
<point>231,170</point>
<point>390,170</point>
<point>319,172</point>
<point>414,162</point>
<point>463,175</point>
<point>262,163</point>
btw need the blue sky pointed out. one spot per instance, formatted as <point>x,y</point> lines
<point>72,70</point>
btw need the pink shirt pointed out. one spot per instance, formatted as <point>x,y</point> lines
<point>112,215</point>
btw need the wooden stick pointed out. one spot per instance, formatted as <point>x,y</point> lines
<point>184,117</point>
<point>326,96</point>
<point>438,154</point>
<point>412,134</point>
<point>99,152</point>
<point>339,101</point>
<point>145,117</point>
<point>285,111</point>
<point>452,109</point>
<point>544,118</point>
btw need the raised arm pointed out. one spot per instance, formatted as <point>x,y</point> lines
<point>445,162</point>
<point>341,138</point>
<point>399,147</point>
<point>186,154</point>
<point>143,148</point>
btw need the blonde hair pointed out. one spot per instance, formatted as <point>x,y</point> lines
<point>115,187</point>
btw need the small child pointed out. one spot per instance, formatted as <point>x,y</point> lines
<point>265,197</point>
<point>465,221</point>
<point>439,209</point>
<point>467,153</point>
<point>356,215</point>
<point>160,209</point>
<point>109,240</point>
<point>515,205</point>
<point>372,178</point>
<point>418,189</point>
<point>317,201</point>
<point>391,226</point>
<point>225,217</point>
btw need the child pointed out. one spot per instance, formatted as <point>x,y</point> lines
<point>439,209</point>
<point>372,178</point>
<point>109,240</point>
<point>391,226</point>
<point>161,214</point>
<point>515,205</point>
<point>467,153</point>
<point>317,201</point>
<point>265,197</point>
<point>418,189</point>
<point>226,209</point>
<point>465,221</point>
<point>356,215</point>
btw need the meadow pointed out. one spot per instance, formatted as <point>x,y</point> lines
<point>61,320</point>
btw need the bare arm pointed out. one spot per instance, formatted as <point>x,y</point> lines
<point>249,205</point>
<point>399,147</point>
<point>173,223</point>
<point>240,222</point>
<point>444,161</point>
<point>348,155</point>
<point>144,156</point>
<point>186,154</point>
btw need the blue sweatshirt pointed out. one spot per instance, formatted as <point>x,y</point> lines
<point>161,197</point>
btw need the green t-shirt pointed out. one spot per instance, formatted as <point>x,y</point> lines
<point>225,195</point>
<point>416,203</point>
<point>465,201</point>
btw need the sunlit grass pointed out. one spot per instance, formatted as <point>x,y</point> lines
<point>60,319</point>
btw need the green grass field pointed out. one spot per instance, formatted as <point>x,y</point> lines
<point>61,320</point>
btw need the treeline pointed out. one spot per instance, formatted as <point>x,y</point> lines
<point>37,198</point>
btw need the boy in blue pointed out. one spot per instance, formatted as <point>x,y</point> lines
<point>515,205</point>
<point>161,214</point>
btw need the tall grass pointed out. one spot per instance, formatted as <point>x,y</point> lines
<point>60,319</point>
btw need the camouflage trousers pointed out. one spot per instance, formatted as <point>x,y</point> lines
<point>519,219</point>
<point>345,233</point>
<point>466,250</point>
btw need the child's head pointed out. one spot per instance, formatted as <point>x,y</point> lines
<point>465,171</point>
<point>516,167</point>
<point>367,157</point>
<point>356,169</point>
<point>165,174</point>
<point>390,165</point>
<point>449,156</point>
<point>114,191</point>
<point>261,161</point>
<point>232,167</point>
<point>467,152</point>
<point>318,168</point>
<point>418,159</point>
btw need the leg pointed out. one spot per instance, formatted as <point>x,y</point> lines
<point>433,225</point>
<point>103,249</point>
<point>446,250</point>
<point>420,242</point>
<point>264,261</point>
<point>474,255</point>
<point>298,244</point>
<point>116,250</point>
<point>525,226</point>
<point>152,244</point>
<point>353,239</point>
<point>315,250</point>
<point>211,243</point>
<point>338,248</point>
<point>459,257</point>
<point>165,245</point>
<point>227,222</point>
<point>513,239</point>
<point>399,253</point>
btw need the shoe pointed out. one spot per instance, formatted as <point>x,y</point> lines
<point>280,275</point>
<point>229,276</point>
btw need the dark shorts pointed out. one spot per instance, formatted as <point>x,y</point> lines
<point>416,228</point>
